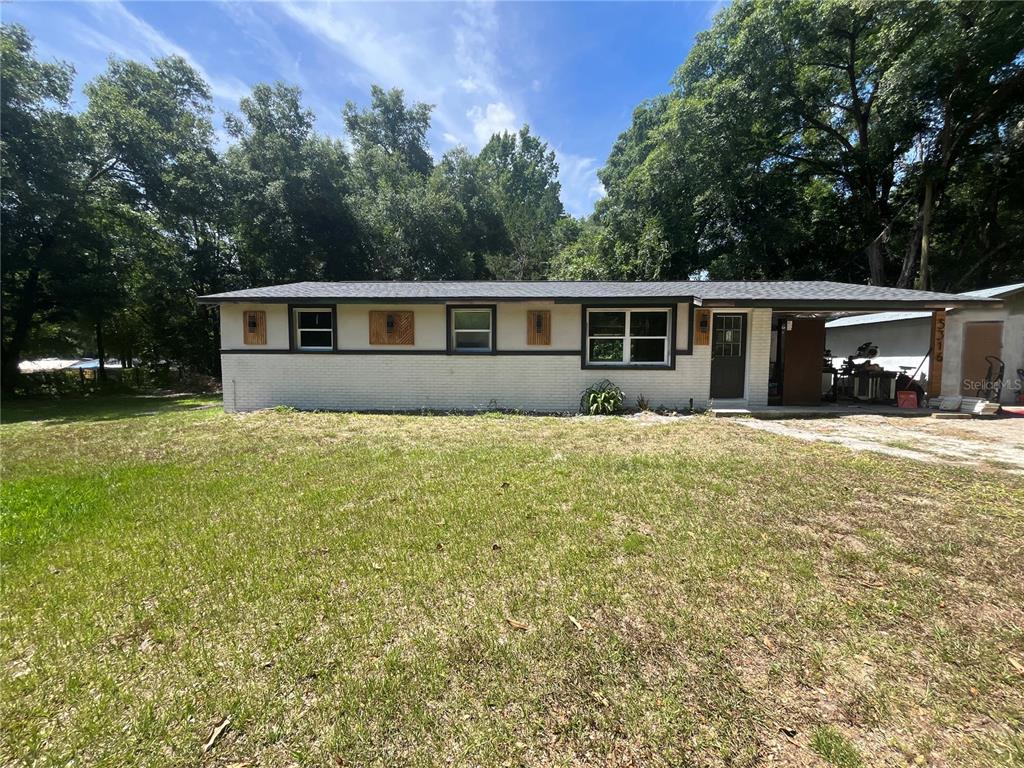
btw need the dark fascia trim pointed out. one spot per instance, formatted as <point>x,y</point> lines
<point>817,305</point>
<point>449,349</point>
<point>671,366</point>
<point>291,330</point>
<point>435,352</point>
<point>689,334</point>
<point>633,301</point>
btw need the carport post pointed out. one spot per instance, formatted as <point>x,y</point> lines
<point>938,338</point>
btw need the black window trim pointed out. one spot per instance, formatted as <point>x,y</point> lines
<point>450,336</point>
<point>293,342</point>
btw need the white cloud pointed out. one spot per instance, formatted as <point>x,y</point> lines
<point>443,55</point>
<point>132,38</point>
<point>580,185</point>
<point>446,55</point>
<point>492,119</point>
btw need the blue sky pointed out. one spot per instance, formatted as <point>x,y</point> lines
<point>573,71</point>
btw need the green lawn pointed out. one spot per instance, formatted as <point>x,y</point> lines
<point>396,590</point>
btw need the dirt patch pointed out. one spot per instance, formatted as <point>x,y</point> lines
<point>997,443</point>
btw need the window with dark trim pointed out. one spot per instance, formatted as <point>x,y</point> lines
<point>471,330</point>
<point>314,328</point>
<point>618,337</point>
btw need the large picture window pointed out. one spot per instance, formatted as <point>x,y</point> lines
<point>314,329</point>
<point>628,336</point>
<point>472,330</point>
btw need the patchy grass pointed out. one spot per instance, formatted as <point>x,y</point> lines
<point>837,750</point>
<point>398,590</point>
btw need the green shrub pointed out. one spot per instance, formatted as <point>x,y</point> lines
<point>642,403</point>
<point>602,398</point>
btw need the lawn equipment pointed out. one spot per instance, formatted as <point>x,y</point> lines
<point>992,387</point>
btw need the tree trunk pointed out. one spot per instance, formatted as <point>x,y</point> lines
<point>909,267</point>
<point>876,261</point>
<point>924,278</point>
<point>23,315</point>
<point>100,352</point>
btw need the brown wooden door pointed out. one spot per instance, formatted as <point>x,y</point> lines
<point>803,352</point>
<point>980,341</point>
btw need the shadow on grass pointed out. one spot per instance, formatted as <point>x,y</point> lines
<point>100,407</point>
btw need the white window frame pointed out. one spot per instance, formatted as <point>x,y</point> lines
<point>666,359</point>
<point>298,331</point>
<point>454,341</point>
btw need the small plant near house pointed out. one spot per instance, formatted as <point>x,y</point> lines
<point>603,398</point>
<point>642,403</point>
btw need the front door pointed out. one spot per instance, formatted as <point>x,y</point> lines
<point>981,340</point>
<point>728,355</point>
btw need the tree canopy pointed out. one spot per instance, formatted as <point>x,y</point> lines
<point>117,217</point>
<point>829,139</point>
<point>818,139</point>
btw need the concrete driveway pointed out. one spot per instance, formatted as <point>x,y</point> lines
<point>996,443</point>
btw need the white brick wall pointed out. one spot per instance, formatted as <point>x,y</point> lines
<point>444,382</point>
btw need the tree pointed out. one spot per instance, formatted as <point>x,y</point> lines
<point>155,198</point>
<point>964,74</point>
<point>413,226</point>
<point>820,140</point>
<point>39,182</point>
<point>391,127</point>
<point>523,173</point>
<point>290,191</point>
<point>483,235</point>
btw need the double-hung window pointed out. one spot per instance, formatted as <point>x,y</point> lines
<point>314,329</point>
<point>628,336</point>
<point>472,330</point>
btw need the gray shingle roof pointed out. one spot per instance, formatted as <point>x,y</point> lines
<point>767,293</point>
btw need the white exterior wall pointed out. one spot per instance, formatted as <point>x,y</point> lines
<point>896,338</point>
<point>354,326</point>
<point>565,326</point>
<point>533,382</point>
<point>232,331</point>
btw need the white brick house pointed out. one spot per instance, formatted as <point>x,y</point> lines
<point>526,345</point>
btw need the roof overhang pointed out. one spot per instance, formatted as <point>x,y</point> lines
<point>592,301</point>
<point>841,305</point>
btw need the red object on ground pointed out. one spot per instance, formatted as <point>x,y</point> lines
<point>1014,410</point>
<point>906,399</point>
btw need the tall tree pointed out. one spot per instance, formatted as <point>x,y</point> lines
<point>392,127</point>
<point>819,139</point>
<point>290,192</point>
<point>963,74</point>
<point>483,234</point>
<point>40,179</point>
<point>413,228</point>
<point>524,175</point>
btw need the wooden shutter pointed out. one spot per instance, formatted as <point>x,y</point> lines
<point>538,327</point>
<point>702,327</point>
<point>255,326</point>
<point>387,327</point>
